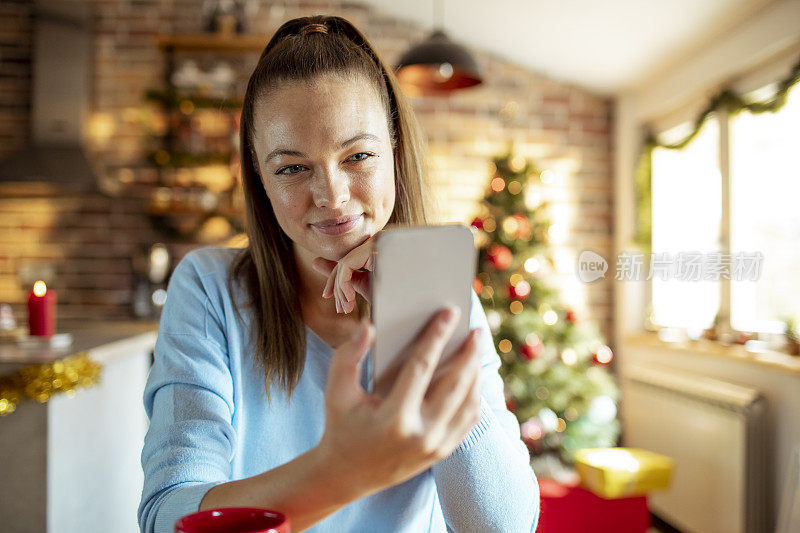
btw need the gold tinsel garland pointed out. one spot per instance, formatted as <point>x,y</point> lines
<point>41,381</point>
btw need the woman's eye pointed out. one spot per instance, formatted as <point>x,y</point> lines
<point>360,156</point>
<point>291,169</point>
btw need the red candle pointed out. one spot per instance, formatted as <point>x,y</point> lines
<point>42,310</point>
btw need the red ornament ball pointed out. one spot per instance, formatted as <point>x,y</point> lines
<point>500,257</point>
<point>511,292</point>
<point>510,405</point>
<point>570,316</point>
<point>523,227</point>
<point>531,351</point>
<point>477,285</point>
<point>478,222</point>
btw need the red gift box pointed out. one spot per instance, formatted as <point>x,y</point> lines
<point>573,509</point>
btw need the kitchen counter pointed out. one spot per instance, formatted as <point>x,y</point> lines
<point>105,338</point>
<point>72,463</point>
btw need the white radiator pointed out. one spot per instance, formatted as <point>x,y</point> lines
<point>717,434</point>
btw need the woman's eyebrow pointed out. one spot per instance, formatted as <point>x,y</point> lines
<point>283,151</point>
<point>358,137</point>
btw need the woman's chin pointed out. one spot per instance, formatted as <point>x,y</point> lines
<point>338,247</point>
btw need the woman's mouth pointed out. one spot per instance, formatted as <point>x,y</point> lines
<point>338,229</point>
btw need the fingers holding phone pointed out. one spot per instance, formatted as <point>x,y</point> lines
<point>422,359</point>
<point>385,441</point>
<point>449,407</point>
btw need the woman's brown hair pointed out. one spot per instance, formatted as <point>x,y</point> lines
<point>303,49</point>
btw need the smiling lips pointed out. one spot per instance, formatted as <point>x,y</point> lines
<point>337,226</point>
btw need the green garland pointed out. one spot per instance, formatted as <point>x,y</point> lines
<point>726,99</point>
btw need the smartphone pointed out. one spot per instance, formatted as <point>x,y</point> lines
<point>417,270</point>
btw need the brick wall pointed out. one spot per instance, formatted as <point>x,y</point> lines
<point>563,128</point>
<point>15,73</point>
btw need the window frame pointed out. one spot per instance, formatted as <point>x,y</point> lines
<point>723,117</point>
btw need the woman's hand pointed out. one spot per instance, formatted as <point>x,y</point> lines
<point>372,442</point>
<point>348,276</point>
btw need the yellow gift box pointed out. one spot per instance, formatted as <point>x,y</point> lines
<point>622,472</point>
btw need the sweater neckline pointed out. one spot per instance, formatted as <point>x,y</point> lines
<point>317,340</point>
<point>327,352</point>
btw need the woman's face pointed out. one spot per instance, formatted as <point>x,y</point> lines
<point>324,152</point>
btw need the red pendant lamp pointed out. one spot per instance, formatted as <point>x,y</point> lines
<point>437,66</point>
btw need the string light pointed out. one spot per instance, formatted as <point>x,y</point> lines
<point>523,289</point>
<point>531,429</point>
<point>531,265</point>
<point>533,198</point>
<point>602,410</point>
<point>547,176</point>
<point>514,187</point>
<point>550,317</point>
<point>489,225</point>
<point>510,225</point>
<point>498,184</point>
<point>562,425</point>
<point>516,307</point>
<point>604,355</point>
<point>514,279</point>
<point>532,339</point>
<point>569,356</point>
<point>494,319</point>
<point>548,418</point>
<point>542,393</point>
<point>504,345</point>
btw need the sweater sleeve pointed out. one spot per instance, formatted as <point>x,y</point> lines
<point>188,398</point>
<point>487,483</point>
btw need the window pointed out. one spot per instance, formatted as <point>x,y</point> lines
<point>765,213</point>
<point>756,198</point>
<point>687,210</point>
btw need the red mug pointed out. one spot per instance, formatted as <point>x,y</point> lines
<point>234,520</point>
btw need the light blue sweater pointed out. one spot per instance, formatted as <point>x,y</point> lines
<point>210,423</point>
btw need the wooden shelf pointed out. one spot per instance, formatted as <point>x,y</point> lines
<point>179,210</point>
<point>216,42</point>
<point>172,100</point>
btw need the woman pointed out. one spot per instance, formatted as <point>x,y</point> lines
<point>330,156</point>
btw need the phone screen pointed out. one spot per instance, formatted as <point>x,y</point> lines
<point>418,270</point>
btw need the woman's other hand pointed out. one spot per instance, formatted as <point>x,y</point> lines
<point>375,442</point>
<point>348,276</point>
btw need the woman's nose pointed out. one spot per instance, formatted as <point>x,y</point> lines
<point>330,188</point>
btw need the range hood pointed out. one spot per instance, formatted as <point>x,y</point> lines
<point>61,81</point>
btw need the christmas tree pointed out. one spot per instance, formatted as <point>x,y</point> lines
<point>554,365</point>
